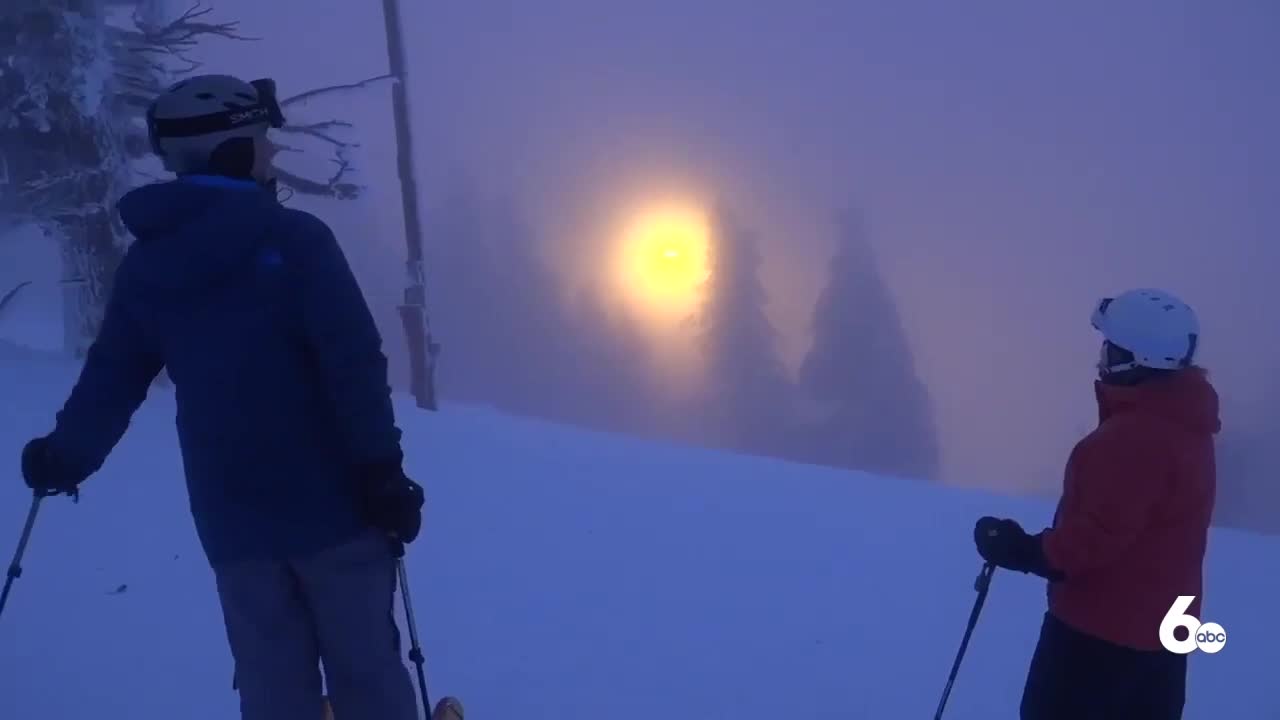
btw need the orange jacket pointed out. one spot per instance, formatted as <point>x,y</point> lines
<point>1133,522</point>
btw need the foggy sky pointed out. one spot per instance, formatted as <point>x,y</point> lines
<point>1013,162</point>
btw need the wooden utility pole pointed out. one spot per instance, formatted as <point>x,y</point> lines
<point>423,349</point>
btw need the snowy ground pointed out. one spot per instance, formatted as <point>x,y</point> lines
<point>572,575</point>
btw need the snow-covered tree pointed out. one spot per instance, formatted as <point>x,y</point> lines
<point>74,87</point>
<point>865,406</point>
<point>64,160</point>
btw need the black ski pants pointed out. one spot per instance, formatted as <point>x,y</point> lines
<point>1074,676</point>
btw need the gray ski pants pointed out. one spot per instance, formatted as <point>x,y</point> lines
<point>337,607</point>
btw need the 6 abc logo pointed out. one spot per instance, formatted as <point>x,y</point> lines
<point>1209,637</point>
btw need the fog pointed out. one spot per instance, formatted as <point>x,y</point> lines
<point>1008,163</point>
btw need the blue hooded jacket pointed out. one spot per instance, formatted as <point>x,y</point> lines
<point>277,366</point>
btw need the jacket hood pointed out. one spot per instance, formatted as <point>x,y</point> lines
<point>193,231</point>
<point>1186,398</point>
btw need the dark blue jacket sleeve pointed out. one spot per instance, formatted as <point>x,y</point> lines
<point>348,348</point>
<point>118,371</point>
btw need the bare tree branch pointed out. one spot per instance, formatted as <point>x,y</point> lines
<point>333,188</point>
<point>151,53</point>
<point>334,88</point>
<point>336,185</point>
<point>317,130</point>
<point>174,40</point>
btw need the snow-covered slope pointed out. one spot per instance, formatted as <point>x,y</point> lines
<point>572,575</point>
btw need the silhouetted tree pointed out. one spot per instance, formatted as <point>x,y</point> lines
<point>747,392</point>
<point>463,291</point>
<point>604,376</point>
<point>865,407</point>
<point>1248,495</point>
<point>516,340</point>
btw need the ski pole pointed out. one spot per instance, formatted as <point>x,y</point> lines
<point>415,649</point>
<point>981,584</point>
<point>15,568</point>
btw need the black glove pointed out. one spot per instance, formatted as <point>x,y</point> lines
<point>390,501</point>
<point>1003,542</point>
<point>44,473</point>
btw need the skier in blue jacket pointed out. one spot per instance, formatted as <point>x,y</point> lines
<point>284,415</point>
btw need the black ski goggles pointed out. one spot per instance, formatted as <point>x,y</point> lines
<point>265,111</point>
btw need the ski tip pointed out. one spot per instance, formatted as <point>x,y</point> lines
<point>449,708</point>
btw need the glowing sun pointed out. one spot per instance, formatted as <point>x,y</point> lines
<point>662,261</point>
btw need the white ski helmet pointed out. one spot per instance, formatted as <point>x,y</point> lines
<point>1160,330</point>
<point>191,119</point>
